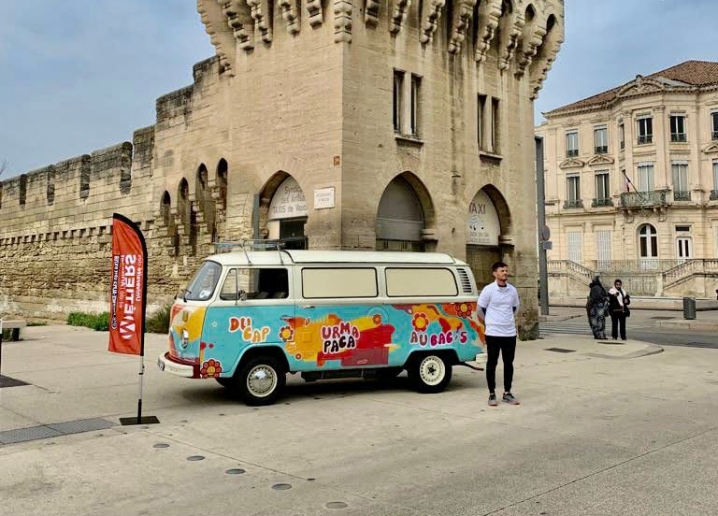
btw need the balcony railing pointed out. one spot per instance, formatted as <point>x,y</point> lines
<point>714,195</point>
<point>576,203</point>
<point>645,138</point>
<point>572,153</point>
<point>602,202</point>
<point>643,199</point>
<point>681,195</point>
<point>678,137</point>
<point>602,150</point>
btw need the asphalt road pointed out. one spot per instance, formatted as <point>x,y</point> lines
<point>641,330</point>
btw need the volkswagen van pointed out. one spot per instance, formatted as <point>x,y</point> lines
<point>249,318</point>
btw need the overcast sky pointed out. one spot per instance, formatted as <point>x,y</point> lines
<point>79,75</point>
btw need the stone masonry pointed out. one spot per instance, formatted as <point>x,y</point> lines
<point>302,88</point>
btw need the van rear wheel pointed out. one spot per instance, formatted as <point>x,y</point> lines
<point>260,381</point>
<point>430,373</point>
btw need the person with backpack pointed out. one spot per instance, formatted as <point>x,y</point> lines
<point>597,308</point>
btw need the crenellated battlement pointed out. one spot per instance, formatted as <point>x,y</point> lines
<point>521,35</point>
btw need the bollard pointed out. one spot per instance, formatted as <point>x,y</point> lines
<point>689,308</point>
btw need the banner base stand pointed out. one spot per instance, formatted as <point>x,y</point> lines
<point>144,420</point>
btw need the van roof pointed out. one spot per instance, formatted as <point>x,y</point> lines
<point>366,257</point>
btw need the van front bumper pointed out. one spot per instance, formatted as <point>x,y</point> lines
<point>165,363</point>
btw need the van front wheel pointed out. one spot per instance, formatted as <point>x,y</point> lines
<point>260,381</point>
<point>430,373</point>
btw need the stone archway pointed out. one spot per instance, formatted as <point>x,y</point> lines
<point>404,214</point>
<point>283,211</point>
<point>487,232</point>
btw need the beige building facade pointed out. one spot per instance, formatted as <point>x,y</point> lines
<point>632,185</point>
<point>348,124</point>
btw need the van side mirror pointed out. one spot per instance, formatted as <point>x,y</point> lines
<point>242,295</point>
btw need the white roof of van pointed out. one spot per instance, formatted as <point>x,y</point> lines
<point>366,257</point>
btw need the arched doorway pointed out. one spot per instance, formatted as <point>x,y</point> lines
<point>483,232</point>
<point>648,247</point>
<point>401,218</point>
<point>288,214</point>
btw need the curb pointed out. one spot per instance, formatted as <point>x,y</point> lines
<point>650,349</point>
<point>689,325</point>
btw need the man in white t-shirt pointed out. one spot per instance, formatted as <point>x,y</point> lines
<point>498,303</point>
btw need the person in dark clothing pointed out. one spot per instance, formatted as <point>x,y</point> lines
<point>618,306</point>
<point>597,307</point>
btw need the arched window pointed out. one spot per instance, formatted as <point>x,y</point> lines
<point>165,209</point>
<point>400,218</point>
<point>287,213</point>
<point>648,247</point>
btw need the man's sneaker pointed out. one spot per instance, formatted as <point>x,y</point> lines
<point>493,402</point>
<point>509,398</point>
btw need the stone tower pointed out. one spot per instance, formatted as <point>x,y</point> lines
<point>341,124</point>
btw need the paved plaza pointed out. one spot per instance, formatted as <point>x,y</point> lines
<point>603,429</point>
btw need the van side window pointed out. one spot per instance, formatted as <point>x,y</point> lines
<point>416,282</point>
<point>326,283</point>
<point>257,283</point>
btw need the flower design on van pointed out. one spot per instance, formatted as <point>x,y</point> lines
<point>420,322</point>
<point>464,310</point>
<point>376,319</point>
<point>286,333</point>
<point>210,369</point>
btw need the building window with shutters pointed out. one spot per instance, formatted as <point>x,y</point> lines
<point>600,139</point>
<point>714,125</point>
<point>681,191</point>
<point>603,190</point>
<point>398,100</point>
<point>645,177</point>
<point>415,104</point>
<point>645,130</point>
<point>603,249</point>
<point>572,144</point>
<point>621,135</point>
<point>573,192</point>
<point>678,128</point>
<point>575,246</point>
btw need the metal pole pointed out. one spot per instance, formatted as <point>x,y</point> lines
<point>255,216</point>
<point>540,199</point>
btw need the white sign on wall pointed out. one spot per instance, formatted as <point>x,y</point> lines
<point>288,202</point>
<point>483,222</point>
<point>324,198</point>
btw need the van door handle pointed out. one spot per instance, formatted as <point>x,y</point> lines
<point>307,306</point>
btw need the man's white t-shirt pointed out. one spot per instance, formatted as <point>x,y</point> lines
<point>499,304</point>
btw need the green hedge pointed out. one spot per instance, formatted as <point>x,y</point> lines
<point>97,322</point>
<point>158,322</point>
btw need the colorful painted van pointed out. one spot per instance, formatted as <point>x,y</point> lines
<point>248,318</point>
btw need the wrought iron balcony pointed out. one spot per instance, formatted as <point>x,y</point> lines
<point>645,138</point>
<point>602,202</point>
<point>577,203</point>
<point>572,153</point>
<point>602,150</point>
<point>681,195</point>
<point>631,200</point>
<point>714,195</point>
<point>678,137</point>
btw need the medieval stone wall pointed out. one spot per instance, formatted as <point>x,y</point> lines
<point>302,90</point>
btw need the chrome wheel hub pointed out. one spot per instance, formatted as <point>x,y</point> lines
<point>261,381</point>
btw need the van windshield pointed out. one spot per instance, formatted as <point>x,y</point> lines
<point>204,282</point>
